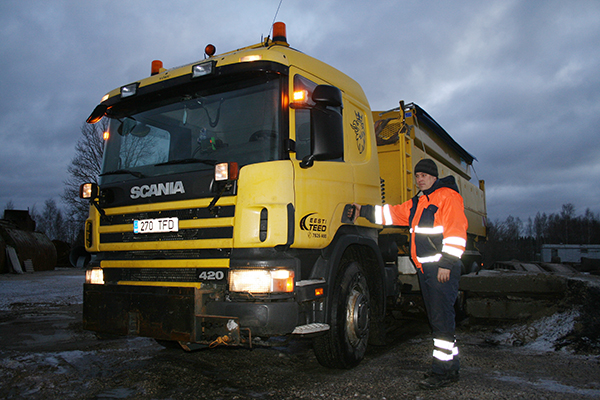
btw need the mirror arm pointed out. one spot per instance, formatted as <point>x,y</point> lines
<point>102,213</point>
<point>307,162</point>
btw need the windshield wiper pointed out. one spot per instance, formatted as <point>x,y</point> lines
<point>124,171</point>
<point>188,161</point>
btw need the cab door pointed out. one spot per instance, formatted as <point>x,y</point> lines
<point>322,186</point>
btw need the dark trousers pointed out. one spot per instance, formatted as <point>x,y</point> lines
<point>439,299</point>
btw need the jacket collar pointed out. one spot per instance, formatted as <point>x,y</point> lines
<point>447,181</point>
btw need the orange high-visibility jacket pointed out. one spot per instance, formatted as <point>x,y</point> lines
<point>438,226</point>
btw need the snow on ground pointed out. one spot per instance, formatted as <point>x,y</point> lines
<point>60,287</point>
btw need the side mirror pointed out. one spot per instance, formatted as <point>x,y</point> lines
<point>326,126</point>
<point>97,114</point>
<point>327,96</point>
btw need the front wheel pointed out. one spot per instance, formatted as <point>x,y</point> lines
<point>345,344</point>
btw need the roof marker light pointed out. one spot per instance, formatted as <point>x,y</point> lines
<point>279,32</point>
<point>210,50</point>
<point>157,65</point>
<point>253,57</point>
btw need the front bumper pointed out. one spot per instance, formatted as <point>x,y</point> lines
<point>183,314</point>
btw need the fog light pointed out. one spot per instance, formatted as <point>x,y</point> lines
<point>94,276</point>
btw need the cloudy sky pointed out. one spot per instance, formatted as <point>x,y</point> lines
<point>516,82</point>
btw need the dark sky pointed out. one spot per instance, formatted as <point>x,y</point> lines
<point>516,82</point>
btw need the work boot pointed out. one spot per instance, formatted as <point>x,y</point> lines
<point>436,381</point>
<point>454,374</point>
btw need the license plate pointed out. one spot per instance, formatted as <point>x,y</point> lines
<point>156,225</point>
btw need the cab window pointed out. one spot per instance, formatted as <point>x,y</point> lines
<point>303,88</point>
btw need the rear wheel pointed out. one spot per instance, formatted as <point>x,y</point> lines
<point>345,344</point>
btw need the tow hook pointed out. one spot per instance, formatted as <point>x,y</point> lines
<point>221,340</point>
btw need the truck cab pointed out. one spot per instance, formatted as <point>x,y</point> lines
<point>217,217</point>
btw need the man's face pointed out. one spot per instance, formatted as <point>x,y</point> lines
<point>424,181</point>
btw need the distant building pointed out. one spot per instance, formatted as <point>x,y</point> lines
<point>569,253</point>
<point>21,218</point>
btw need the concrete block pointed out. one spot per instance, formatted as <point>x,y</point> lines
<point>505,308</point>
<point>513,282</point>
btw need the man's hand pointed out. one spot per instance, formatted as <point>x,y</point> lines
<point>353,214</point>
<point>443,275</point>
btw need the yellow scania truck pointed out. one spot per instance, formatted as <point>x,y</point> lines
<point>219,213</point>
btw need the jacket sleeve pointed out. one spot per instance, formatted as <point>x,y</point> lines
<point>387,214</point>
<point>399,214</point>
<point>455,225</point>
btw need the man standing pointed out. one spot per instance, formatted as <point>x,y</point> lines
<point>438,228</point>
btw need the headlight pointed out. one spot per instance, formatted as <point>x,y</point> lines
<point>261,280</point>
<point>129,90</point>
<point>205,68</point>
<point>226,171</point>
<point>88,191</point>
<point>94,276</point>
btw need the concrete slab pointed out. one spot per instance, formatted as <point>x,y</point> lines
<point>506,308</point>
<point>14,259</point>
<point>513,282</point>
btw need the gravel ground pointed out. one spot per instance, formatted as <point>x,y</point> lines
<point>45,354</point>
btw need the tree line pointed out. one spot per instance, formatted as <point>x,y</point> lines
<point>514,239</point>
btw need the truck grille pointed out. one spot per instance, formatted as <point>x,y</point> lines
<point>114,232</point>
<point>183,234</point>
<point>187,214</point>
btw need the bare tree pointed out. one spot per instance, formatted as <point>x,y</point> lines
<point>567,214</point>
<point>51,221</point>
<point>9,205</point>
<point>84,167</point>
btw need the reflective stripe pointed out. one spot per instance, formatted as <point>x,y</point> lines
<point>442,356</point>
<point>378,215</point>
<point>443,344</point>
<point>430,259</point>
<point>444,350</point>
<point>436,230</point>
<point>453,251</point>
<point>455,240</point>
<point>387,215</point>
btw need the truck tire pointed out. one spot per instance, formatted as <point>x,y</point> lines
<point>344,345</point>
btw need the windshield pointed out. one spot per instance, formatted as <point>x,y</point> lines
<point>239,123</point>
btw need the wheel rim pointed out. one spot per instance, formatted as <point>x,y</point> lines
<point>357,315</point>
